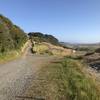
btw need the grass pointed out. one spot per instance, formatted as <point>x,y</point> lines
<point>40,48</point>
<point>47,48</point>
<point>63,80</point>
<point>8,56</point>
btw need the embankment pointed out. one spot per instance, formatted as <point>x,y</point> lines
<point>14,54</point>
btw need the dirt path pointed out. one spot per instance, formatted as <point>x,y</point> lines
<point>15,76</point>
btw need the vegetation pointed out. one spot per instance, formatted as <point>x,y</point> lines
<point>97,50</point>
<point>40,37</point>
<point>63,80</point>
<point>48,48</point>
<point>40,48</point>
<point>82,47</point>
<point>12,37</point>
<point>89,53</point>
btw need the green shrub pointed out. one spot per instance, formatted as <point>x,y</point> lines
<point>11,36</point>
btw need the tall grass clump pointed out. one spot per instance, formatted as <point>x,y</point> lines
<point>77,85</point>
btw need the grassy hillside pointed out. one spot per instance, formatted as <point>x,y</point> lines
<point>12,38</point>
<point>48,48</point>
<point>40,37</point>
<point>63,79</point>
<point>47,44</point>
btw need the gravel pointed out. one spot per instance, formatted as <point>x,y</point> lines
<point>16,76</point>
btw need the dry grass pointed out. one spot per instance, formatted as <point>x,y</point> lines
<point>63,80</point>
<point>40,48</point>
<point>5,57</point>
<point>51,49</point>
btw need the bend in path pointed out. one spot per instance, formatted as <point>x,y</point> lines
<point>15,76</point>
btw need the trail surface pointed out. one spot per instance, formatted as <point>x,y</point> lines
<point>16,75</point>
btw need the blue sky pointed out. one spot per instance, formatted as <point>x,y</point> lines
<point>68,20</point>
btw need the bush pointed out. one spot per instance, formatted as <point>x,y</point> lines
<point>11,36</point>
<point>40,37</point>
<point>97,50</point>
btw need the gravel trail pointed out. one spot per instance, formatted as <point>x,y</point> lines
<point>16,75</point>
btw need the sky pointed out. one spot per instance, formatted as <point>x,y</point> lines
<point>76,21</point>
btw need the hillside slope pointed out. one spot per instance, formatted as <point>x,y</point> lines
<point>40,37</point>
<point>48,48</point>
<point>12,37</point>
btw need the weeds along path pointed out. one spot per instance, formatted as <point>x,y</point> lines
<point>62,79</point>
<point>16,75</point>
